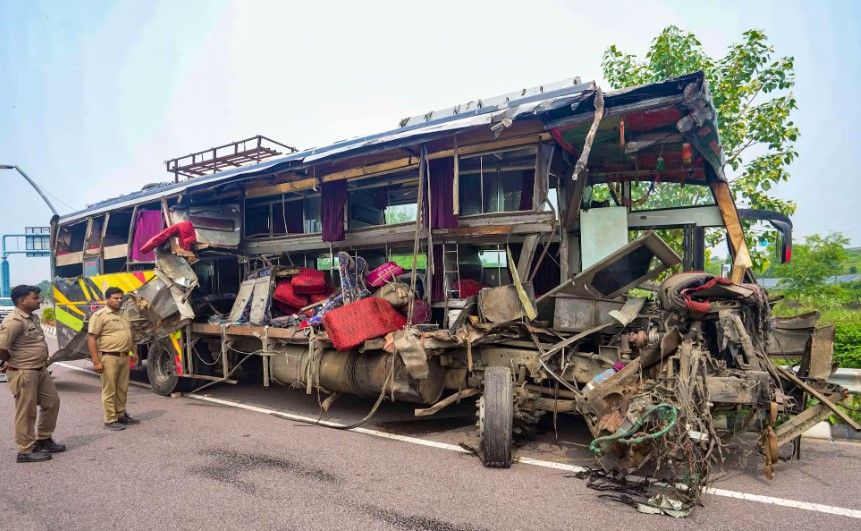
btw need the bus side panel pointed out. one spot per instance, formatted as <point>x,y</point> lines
<point>75,299</point>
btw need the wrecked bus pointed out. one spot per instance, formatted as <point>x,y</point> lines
<point>513,248</point>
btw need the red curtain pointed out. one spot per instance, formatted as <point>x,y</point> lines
<point>334,198</point>
<point>441,173</point>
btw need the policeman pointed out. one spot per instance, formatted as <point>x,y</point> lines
<point>110,344</point>
<point>24,358</point>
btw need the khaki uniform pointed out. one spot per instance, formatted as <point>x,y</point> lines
<point>113,334</point>
<point>29,381</point>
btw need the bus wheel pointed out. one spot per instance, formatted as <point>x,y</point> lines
<point>161,370</point>
<point>496,418</point>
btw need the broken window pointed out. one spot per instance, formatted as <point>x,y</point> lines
<point>257,220</point>
<point>657,195</point>
<point>501,181</point>
<point>295,213</point>
<point>117,231</point>
<point>94,235</point>
<point>383,200</point>
<point>71,238</point>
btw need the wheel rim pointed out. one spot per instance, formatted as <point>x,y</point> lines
<point>163,366</point>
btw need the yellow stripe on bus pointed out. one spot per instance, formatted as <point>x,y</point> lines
<point>59,298</point>
<point>68,319</point>
<point>125,281</point>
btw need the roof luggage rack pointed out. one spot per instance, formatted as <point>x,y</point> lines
<point>235,154</point>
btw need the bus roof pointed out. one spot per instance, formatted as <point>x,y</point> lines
<point>552,104</point>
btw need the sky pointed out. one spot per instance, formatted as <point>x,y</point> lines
<point>95,96</point>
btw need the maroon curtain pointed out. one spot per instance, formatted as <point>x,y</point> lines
<point>442,214</point>
<point>526,191</point>
<point>548,274</point>
<point>148,224</point>
<point>334,198</point>
<point>381,199</point>
<point>293,222</point>
<point>438,280</point>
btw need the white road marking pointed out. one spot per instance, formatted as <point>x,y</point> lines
<point>769,500</point>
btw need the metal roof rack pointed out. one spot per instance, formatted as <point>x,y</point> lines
<point>235,154</point>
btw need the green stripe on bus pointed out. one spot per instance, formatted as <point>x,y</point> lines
<point>68,319</point>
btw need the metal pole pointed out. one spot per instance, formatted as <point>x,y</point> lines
<point>6,289</point>
<point>33,184</point>
<point>5,277</point>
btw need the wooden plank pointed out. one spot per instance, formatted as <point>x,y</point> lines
<point>70,258</point>
<point>527,253</point>
<point>789,375</point>
<point>797,425</point>
<point>116,251</point>
<point>292,186</point>
<point>478,226</point>
<point>734,230</point>
<point>403,163</point>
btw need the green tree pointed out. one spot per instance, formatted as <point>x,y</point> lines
<point>47,289</point>
<point>752,93</point>
<point>819,257</point>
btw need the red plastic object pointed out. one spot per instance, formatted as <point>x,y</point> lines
<point>285,293</point>
<point>309,281</point>
<point>385,273</point>
<point>286,309</point>
<point>317,297</point>
<point>467,287</point>
<point>351,325</point>
<point>184,231</point>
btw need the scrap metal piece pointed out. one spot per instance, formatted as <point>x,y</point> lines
<point>789,375</point>
<point>575,314</point>
<point>214,225</point>
<point>447,401</point>
<point>260,300</point>
<point>503,304</point>
<point>412,353</point>
<point>246,289</point>
<point>526,300</point>
<point>626,268</point>
<point>629,311</point>
<point>76,349</point>
<point>256,293</point>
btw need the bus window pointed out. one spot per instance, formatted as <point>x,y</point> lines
<point>117,231</point>
<point>501,181</point>
<point>94,235</point>
<point>383,200</point>
<point>71,238</point>
<point>294,213</point>
<point>365,210</point>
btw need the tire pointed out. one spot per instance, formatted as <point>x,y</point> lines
<point>161,370</point>
<point>496,418</point>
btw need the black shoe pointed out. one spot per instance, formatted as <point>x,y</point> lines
<point>126,419</point>
<point>33,456</point>
<point>48,445</point>
<point>114,426</point>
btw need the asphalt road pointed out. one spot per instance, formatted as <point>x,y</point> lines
<point>193,463</point>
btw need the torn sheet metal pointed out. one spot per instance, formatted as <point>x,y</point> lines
<point>215,226</point>
<point>413,354</point>
<point>253,300</point>
<point>502,304</point>
<point>624,269</point>
<point>76,349</point>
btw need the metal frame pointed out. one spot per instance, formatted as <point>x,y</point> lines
<point>234,154</point>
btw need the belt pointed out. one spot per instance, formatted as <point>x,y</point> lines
<point>8,368</point>
<point>114,353</point>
